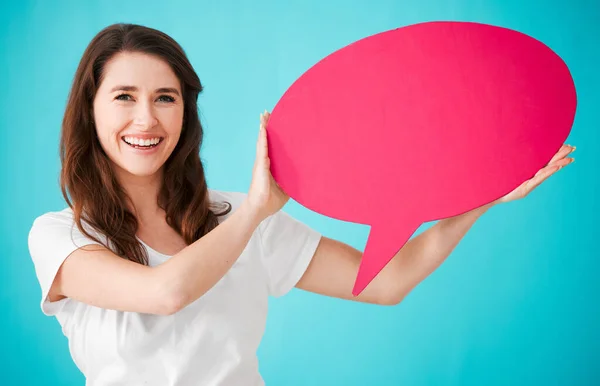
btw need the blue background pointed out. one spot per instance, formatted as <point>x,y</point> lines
<point>515,303</point>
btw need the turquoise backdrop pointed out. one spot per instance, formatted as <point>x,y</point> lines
<point>516,303</point>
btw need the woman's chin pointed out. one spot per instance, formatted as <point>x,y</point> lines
<point>138,171</point>
<point>142,172</point>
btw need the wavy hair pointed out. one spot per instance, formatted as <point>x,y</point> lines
<point>87,181</point>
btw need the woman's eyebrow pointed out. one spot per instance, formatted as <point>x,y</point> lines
<point>158,90</point>
<point>167,90</point>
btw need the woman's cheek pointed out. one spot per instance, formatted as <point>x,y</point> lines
<point>173,121</point>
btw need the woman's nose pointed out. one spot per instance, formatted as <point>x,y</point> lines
<point>145,115</point>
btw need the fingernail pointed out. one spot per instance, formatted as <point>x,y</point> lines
<point>573,149</point>
<point>572,160</point>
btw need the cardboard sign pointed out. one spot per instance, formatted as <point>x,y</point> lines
<point>418,124</point>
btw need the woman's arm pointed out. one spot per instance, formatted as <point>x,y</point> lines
<point>95,275</point>
<point>198,267</point>
<point>101,278</point>
<point>334,266</point>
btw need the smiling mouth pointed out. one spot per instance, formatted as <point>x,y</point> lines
<point>142,146</point>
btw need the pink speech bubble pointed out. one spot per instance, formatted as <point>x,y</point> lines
<point>418,124</point>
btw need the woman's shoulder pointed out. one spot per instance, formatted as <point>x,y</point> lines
<point>64,216</point>
<point>58,223</point>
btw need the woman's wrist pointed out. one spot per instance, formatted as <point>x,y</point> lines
<point>250,213</point>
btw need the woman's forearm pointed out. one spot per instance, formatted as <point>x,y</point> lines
<point>427,251</point>
<point>198,267</point>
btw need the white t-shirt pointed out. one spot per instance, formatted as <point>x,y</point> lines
<point>212,341</point>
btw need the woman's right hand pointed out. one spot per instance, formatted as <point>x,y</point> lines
<point>264,196</point>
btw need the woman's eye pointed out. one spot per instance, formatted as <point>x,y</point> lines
<point>123,97</point>
<point>166,98</point>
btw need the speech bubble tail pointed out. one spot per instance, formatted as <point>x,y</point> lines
<point>382,245</point>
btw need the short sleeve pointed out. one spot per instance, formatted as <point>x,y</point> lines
<point>52,238</point>
<point>288,247</point>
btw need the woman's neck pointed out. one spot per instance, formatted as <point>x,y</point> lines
<point>143,192</point>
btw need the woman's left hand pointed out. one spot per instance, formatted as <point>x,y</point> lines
<point>559,160</point>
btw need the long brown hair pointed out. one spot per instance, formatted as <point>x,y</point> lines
<point>87,177</point>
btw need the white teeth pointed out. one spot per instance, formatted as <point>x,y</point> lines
<point>141,142</point>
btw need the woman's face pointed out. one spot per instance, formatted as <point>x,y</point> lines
<point>138,111</point>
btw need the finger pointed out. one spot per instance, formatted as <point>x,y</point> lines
<point>563,162</point>
<point>564,150</point>
<point>560,163</point>
<point>262,119</point>
<point>541,177</point>
<point>259,122</point>
<point>266,146</point>
<point>265,119</point>
<point>264,150</point>
<point>266,116</point>
<point>261,143</point>
<point>561,153</point>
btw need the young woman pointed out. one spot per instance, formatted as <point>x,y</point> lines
<point>158,280</point>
